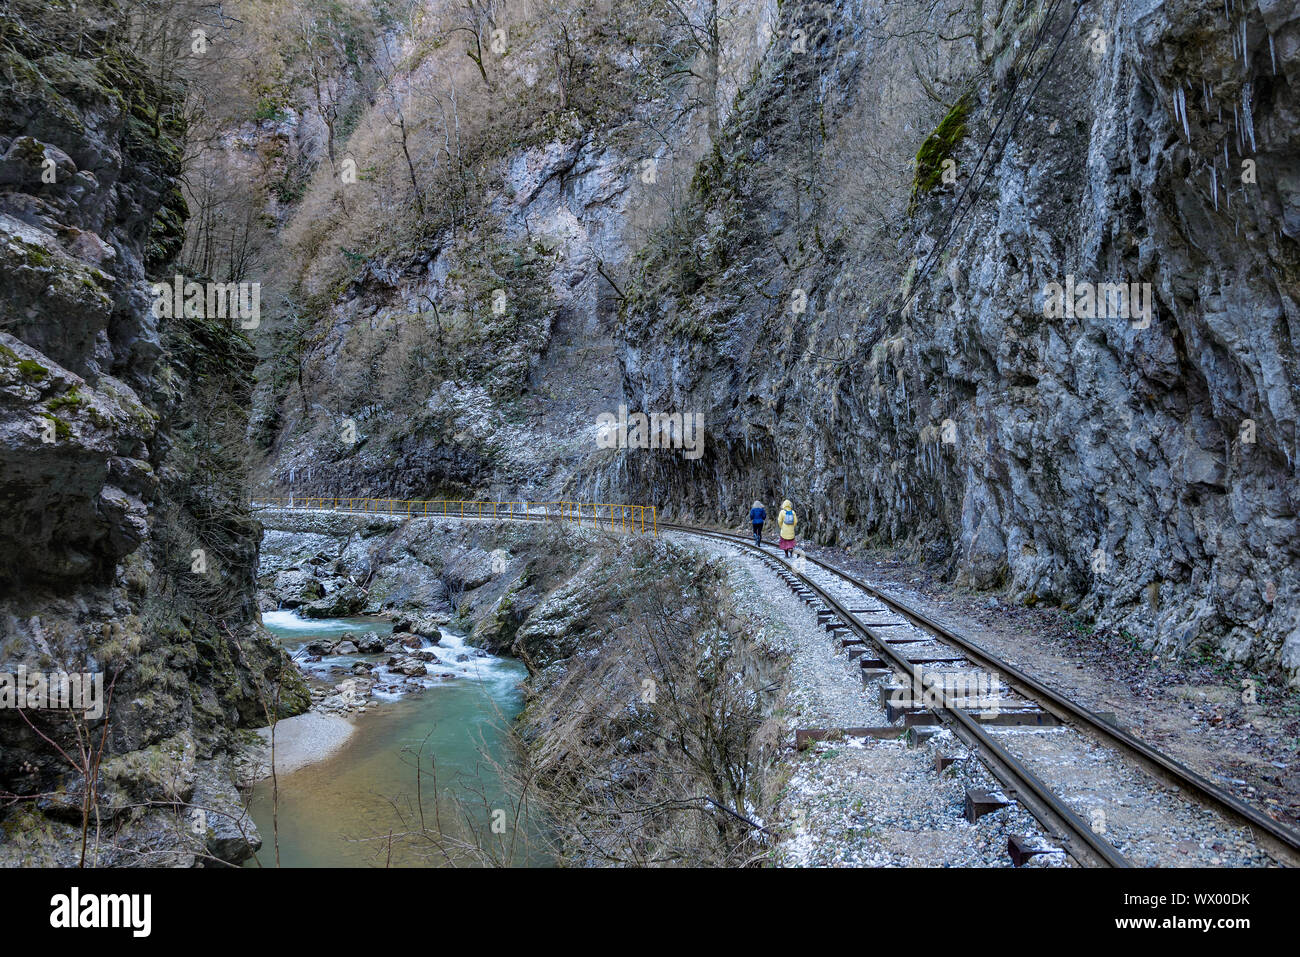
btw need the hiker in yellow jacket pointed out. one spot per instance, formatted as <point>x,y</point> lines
<point>786,521</point>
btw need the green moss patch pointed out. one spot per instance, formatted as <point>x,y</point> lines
<point>71,399</point>
<point>32,369</point>
<point>939,146</point>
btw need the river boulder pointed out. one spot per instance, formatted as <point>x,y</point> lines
<point>425,625</point>
<point>346,601</point>
<point>294,587</point>
<point>407,665</point>
<point>369,643</point>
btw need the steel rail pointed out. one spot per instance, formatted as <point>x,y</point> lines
<point>1050,810</point>
<point>1055,702</point>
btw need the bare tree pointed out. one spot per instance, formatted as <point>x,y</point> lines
<point>704,33</point>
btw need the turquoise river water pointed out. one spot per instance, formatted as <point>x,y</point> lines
<point>359,807</point>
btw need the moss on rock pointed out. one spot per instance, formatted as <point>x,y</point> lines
<point>31,369</point>
<point>939,146</point>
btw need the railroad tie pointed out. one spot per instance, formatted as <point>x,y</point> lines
<point>895,709</point>
<point>1028,718</point>
<point>917,736</point>
<point>1022,848</point>
<point>913,719</point>
<point>888,691</point>
<point>980,802</point>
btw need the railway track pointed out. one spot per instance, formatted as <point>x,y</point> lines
<point>928,674</point>
<point>912,659</point>
<point>920,697</point>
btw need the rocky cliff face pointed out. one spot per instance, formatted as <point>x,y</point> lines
<point>473,346</point>
<point>125,550</point>
<point>1144,473</point>
<point>864,241</point>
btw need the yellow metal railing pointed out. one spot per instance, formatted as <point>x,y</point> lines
<point>633,518</point>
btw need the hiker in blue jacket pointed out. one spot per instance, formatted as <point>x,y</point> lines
<point>757,516</point>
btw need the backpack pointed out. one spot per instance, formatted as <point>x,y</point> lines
<point>787,517</point>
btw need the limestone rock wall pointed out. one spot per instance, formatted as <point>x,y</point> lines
<point>116,464</point>
<point>1145,476</point>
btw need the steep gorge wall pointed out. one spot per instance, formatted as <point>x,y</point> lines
<point>1082,461</point>
<point>532,184</point>
<point>119,458</point>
